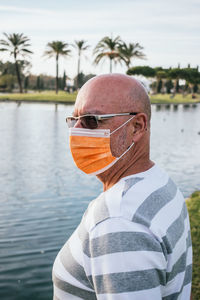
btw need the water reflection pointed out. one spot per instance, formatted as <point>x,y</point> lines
<point>43,195</point>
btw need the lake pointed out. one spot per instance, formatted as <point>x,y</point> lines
<point>43,195</point>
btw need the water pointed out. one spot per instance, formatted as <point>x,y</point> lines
<point>43,195</point>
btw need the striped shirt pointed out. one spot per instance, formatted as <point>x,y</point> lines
<point>133,242</point>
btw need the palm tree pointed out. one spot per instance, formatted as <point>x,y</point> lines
<point>16,44</point>
<point>108,48</point>
<point>130,51</point>
<point>80,46</point>
<point>57,49</point>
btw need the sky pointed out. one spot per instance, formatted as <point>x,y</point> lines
<point>169,30</point>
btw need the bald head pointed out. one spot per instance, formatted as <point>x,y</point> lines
<point>113,93</point>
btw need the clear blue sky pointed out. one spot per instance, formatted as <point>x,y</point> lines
<point>169,30</point>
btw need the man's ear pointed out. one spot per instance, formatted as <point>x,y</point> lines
<point>139,126</point>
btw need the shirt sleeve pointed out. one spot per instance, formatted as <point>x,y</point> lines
<point>125,261</point>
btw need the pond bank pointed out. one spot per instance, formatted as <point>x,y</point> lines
<point>66,98</point>
<point>193,204</point>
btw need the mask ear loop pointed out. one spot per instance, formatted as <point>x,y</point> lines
<point>130,145</point>
<point>122,125</point>
<point>126,151</point>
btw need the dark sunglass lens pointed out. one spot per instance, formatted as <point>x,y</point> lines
<point>89,122</point>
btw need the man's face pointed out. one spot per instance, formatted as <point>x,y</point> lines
<point>99,100</point>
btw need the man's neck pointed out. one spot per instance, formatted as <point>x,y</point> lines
<point>118,171</point>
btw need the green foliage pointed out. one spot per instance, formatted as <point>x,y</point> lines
<point>193,204</point>
<point>16,44</point>
<point>176,73</point>
<point>26,83</point>
<point>57,49</point>
<point>80,46</point>
<point>195,88</point>
<point>191,75</point>
<point>10,68</point>
<point>108,48</point>
<point>7,82</point>
<point>64,81</point>
<point>38,83</point>
<point>142,70</point>
<point>46,82</point>
<point>169,85</point>
<point>161,74</point>
<point>82,79</point>
<point>79,80</point>
<point>159,86</point>
<point>177,87</point>
<point>129,51</point>
<point>7,68</point>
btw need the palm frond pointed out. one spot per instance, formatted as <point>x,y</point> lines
<point>4,43</point>
<point>3,49</point>
<point>56,48</point>
<point>130,51</point>
<point>16,43</point>
<point>26,50</point>
<point>80,45</point>
<point>99,57</point>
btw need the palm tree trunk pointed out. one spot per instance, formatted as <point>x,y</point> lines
<point>56,73</point>
<point>18,75</point>
<point>78,72</point>
<point>110,65</point>
<point>128,65</point>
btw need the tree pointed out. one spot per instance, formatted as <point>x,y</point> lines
<point>80,46</point>
<point>17,45</point>
<point>64,80</point>
<point>176,74</point>
<point>38,83</point>
<point>7,68</point>
<point>108,48</point>
<point>26,83</point>
<point>83,78</point>
<point>169,86</point>
<point>142,70</point>
<point>57,49</point>
<point>192,77</point>
<point>7,82</point>
<point>160,75</point>
<point>130,51</point>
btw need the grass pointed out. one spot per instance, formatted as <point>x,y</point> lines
<point>45,96</point>
<point>178,99</point>
<point>63,97</point>
<point>193,204</point>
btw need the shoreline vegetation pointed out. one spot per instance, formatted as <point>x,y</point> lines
<point>69,98</point>
<point>193,205</point>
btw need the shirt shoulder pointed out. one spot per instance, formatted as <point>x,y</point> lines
<point>135,198</point>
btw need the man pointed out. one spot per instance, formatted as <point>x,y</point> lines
<point>134,240</point>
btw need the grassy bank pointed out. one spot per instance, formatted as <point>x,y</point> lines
<point>63,97</point>
<point>46,96</point>
<point>178,99</point>
<point>193,204</point>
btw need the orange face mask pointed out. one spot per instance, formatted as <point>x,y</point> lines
<point>91,151</point>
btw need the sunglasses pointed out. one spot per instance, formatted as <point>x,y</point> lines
<point>91,121</point>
